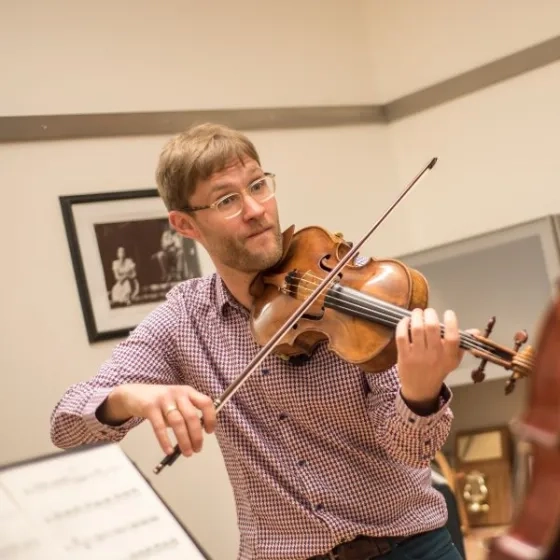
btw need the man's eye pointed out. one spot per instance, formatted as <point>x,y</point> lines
<point>226,201</point>
<point>256,187</point>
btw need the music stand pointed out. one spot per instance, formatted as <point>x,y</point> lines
<point>88,503</point>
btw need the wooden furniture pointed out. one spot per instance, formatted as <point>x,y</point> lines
<point>485,460</point>
<point>452,480</point>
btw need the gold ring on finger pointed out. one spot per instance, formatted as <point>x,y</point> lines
<point>170,408</point>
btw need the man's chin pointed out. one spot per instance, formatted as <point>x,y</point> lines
<point>260,261</point>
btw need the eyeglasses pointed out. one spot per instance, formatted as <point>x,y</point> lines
<point>231,205</point>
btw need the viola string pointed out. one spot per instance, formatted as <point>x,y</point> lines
<point>398,312</point>
<point>469,342</point>
<point>382,312</point>
<point>391,313</point>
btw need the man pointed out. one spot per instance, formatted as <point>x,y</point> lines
<point>324,460</point>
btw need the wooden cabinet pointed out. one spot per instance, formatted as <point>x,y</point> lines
<point>484,463</point>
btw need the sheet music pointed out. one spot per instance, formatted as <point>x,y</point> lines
<point>86,505</point>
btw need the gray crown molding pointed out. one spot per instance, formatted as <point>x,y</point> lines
<point>27,128</point>
<point>474,80</point>
<point>63,127</point>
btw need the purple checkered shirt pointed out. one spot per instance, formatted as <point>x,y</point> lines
<point>317,453</point>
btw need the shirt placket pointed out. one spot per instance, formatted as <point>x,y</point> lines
<point>299,459</point>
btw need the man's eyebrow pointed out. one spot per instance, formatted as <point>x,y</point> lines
<point>225,186</point>
<point>218,187</point>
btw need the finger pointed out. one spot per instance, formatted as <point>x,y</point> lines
<point>206,406</point>
<point>432,329</point>
<point>417,334</point>
<point>176,422</point>
<point>402,337</point>
<point>191,422</point>
<point>159,426</point>
<point>451,336</point>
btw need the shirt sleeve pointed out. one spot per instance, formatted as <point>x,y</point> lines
<point>148,355</point>
<point>407,438</point>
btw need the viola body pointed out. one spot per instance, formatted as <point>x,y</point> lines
<point>345,315</point>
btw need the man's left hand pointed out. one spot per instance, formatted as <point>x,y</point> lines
<point>426,356</point>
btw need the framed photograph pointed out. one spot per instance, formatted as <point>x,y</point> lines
<point>126,257</point>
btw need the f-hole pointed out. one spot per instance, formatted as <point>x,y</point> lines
<point>326,268</point>
<point>323,264</point>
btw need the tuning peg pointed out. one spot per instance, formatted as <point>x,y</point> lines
<point>478,374</point>
<point>520,338</point>
<point>510,384</point>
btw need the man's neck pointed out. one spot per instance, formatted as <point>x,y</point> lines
<point>238,284</point>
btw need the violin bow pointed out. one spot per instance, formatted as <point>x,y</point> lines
<point>219,402</point>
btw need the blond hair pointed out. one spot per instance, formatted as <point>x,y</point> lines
<point>193,156</point>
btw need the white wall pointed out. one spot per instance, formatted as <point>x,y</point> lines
<point>71,57</point>
<point>496,147</point>
<point>497,164</point>
<point>133,56</point>
<point>414,44</point>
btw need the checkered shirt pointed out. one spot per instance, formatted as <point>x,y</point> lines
<point>317,453</point>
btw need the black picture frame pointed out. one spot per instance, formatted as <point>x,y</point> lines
<point>131,228</point>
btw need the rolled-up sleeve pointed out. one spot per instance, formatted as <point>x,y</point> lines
<point>407,437</point>
<point>148,355</point>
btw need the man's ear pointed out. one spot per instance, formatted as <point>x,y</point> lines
<point>184,224</point>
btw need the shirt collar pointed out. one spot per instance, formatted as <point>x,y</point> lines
<point>224,297</point>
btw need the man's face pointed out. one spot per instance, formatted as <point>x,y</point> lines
<point>250,242</point>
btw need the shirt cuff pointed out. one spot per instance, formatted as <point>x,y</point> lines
<point>92,422</point>
<point>418,422</point>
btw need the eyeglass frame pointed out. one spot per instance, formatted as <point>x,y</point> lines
<point>214,205</point>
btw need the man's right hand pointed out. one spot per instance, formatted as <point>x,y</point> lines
<point>174,406</point>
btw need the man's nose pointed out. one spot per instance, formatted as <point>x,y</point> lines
<point>251,208</point>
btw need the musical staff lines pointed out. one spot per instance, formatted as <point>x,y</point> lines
<point>90,542</point>
<point>94,506</point>
<point>87,505</point>
<point>154,550</point>
<point>70,479</point>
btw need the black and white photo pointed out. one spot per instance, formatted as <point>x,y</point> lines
<point>126,257</point>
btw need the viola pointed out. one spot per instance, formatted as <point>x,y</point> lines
<point>535,531</point>
<point>357,312</point>
<point>321,290</point>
